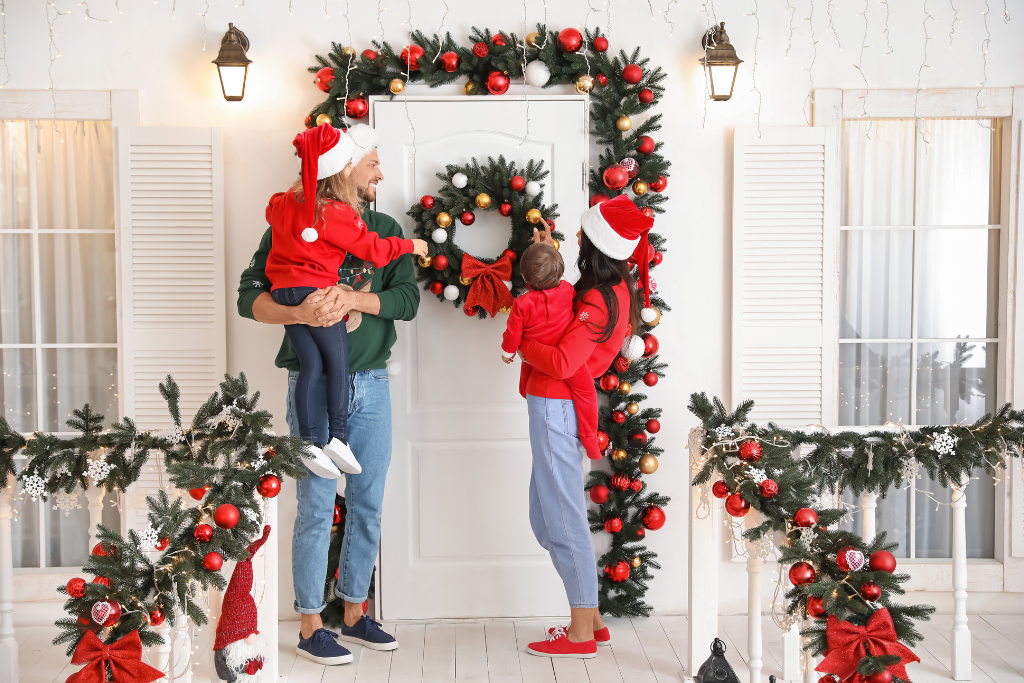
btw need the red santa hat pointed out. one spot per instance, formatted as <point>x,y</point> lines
<point>618,230</point>
<point>323,151</point>
<point>238,618</point>
<point>365,139</point>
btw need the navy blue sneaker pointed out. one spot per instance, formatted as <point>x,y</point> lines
<point>368,633</point>
<point>322,648</point>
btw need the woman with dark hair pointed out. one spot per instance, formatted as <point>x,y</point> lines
<point>607,310</point>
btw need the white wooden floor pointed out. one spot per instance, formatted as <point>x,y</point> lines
<point>643,651</point>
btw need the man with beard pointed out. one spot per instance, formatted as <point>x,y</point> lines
<point>371,299</point>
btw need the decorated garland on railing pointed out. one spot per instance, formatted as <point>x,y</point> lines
<point>620,86</point>
<point>839,580</point>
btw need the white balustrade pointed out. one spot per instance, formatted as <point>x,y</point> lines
<point>868,503</point>
<point>791,653</point>
<point>704,553</point>
<point>754,645</point>
<point>94,496</point>
<point>960,636</point>
<point>8,645</point>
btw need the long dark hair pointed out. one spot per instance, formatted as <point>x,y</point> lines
<point>601,272</point>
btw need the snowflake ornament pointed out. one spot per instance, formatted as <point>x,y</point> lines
<point>34,486</point>
<point>258,462</point>
<point>66,502</point>
<point>757,475</point>
<point>908,470</point>
<point>945,443</point>
<point>806,538</point>
<point>62,470</point>
<point>148,538</point>
<point>98,471</point>
<point>724,433</point>
<point>253,515</point>
<point>136,500</point>
<point>177,435</point>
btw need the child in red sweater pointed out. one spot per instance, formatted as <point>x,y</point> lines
<point>542,315</point>
<point>314,225</point>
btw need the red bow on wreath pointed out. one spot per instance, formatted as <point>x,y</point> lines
<point>124,655</point>
<point>487,289</point>
<point>846,645</point>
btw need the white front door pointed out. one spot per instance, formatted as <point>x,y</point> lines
<point>456,539</point>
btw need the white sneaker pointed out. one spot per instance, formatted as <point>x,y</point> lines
<point>319,464</point>
<point>343,457</point>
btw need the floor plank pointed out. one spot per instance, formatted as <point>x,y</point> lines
<point>407,660</point>
<point>982,655</point>
<point>677,630</point>
<point>470,653</point>
<point>735,655</point>
<point>374,665</point>
<point>287,639</point>
<point>629,653</point>
<point>771,638</point>
<point>936,641</point>
<point>1010,651</point>
<point>502,652</point>
<point>662,657</point>
<point>566,670</point>
<point>48,667</point>
<point>439,653</point>
<point>534,669</point>
<point>307,671</point>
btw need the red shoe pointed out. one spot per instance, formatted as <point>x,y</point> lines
<point>602,636</point>
<point>559,645</point>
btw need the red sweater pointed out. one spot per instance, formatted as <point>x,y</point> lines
<point>553,364</point>
<point>294,262</point>
<point>541,315</point>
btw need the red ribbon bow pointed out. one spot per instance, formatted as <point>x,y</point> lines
<point>124,655</point>
<point>487,289</point>
<point>846,645</point>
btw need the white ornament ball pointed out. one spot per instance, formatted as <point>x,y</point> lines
<point>648,315</point>
<point>459,180</point>
<point>451,292</point>
<point>632,348</point>
<point>310,234</point>
<point>439,235</point>
<point>537,73</point>
<point>532,188</point>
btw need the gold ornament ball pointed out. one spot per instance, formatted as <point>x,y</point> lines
<point>623,123</point>
<point>632,407</point>
<point>556,244</point>
<point>584,84</point>
<point>396,86</point>
<point>639,188</point>
<point>348,51</point>
<point>505,309</point>
<point>443,219</point>
<point>657,317</point>
<point>624,388</point>
<point>483,200</point>
<point>636,562</point>
<point>322,119</point>
<point>619,454</point>
<point>465,280</point>
<point>425,261</point>
<point>470,88</point>
<point>533,216</point>
<point>648,464</point>
<point>532,38</point>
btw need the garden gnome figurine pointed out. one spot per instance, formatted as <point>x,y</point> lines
<point>239,651</point>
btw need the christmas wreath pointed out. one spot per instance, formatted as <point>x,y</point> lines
<point>477,283</point>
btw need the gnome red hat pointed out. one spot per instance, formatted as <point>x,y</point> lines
<point>618,230</point>
<point>238,610</point>
<point>323,151</point>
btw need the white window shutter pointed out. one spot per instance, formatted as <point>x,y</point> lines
<point>170,199</point>
<point>785,261</point>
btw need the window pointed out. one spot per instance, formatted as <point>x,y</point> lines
<point>58,304</point>
<point>918,323</point>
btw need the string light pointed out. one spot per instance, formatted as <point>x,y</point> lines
<point>671,24</point>
<point>860,68</point>
<point>440,28</point>
<point>88,14</point>
<point>791,8</point>
<point>984,62</point>
<point>886,31</point>
<point>203,15</point>
<point>753,70</point>
<point>831,25</point>
<point>51,49</point>
<point>924,63</point>
<point>953,23</point>
<point>1006,13</point>
<point>810,69</point>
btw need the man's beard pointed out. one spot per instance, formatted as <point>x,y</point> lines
<point>368,193</point>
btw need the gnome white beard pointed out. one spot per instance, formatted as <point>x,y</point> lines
<point>238,654</point>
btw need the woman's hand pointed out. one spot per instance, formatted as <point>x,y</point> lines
<point>420,247</point>
<point>543,236</point>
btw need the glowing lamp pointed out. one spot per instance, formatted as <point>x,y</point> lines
<point>720,62</point>
<point>232,64</point>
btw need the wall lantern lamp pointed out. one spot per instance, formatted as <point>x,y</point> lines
<point>232,64</point>
<point>720,62</point>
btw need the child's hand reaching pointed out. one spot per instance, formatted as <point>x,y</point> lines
<point>507,359</point>
<point>420,247</point>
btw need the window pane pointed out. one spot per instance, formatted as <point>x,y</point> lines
<point>957,295</point>
<point>75,377</point>
<point>18,382</point>
<point>878,187</point>
<point>891,516</point>
<point>75,176</point>
<point>77,278</point>
<point>15,289</point>
<point>876,276</point>
<point>874,384</point>
<point>933,518</point>
<point>955,381</point>
<point>25,528</point>
<point>67,536</point>
<point>953,172</point>
<point>14,187</point>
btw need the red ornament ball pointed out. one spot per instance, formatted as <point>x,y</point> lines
<point>203,533</point>
<point>269,486</point>
<point>640,532</point>
<point>647,211</point>
<point>469,310</point>
<point>569,40</point>
<point>600,44</point>
<point>269,453</point>
<point>370,54</point>
<point>609,382</point>
<point>769,488</point>
<point>598,198</point>
<point>323,79</point>
<point>497,83</point>
<point>480,50</point>
<point>505,209</point>
<point>103,549</point>
<point>337,517</point>
<point>618,417</point>
<point>805,517</point>
<point>720,489</point>
<point>440,262</point>
<point>498,39</point>
<point>631,166</point>
<point>828,678</point>
<point>650,379</point>
<point>467,218</point>
<point>599,494</point>
<point>76,588</point>
<point>106,612</point>
<point>870,591</point>
<point>882,561</point>
<point>450,62</point>
<point>653,425</point>
<point>308,122</point>
<point>618,572</point>
<point>103,581</point>
<point>517,183</point>
<point>602,439</point>
<point>815,607</point>
<point>357,107</point>
<point>426,202</point>
<point>613,525</point>
<point>636,485</point>
<point>156,616</point>
<point>84,620</point>
<point>651,345</point>
<point>654,518</point>
<point>657,258</point>
<point>226,516</point>
<point>213,561</point>
<point>638,438</point>
<point>601,79</point>
<point>884,676</point>
<point>658,185</point>
<point>621,364</point>
<point>631,73</point>
<point>850,559</point>
<point>436,287</point>
<point>646,145</point>
<point>198,493</point>
<point>411,55</point>
<point>736,506</point>
<point>509,254</point>
<point>646,96</point>
<point>620,482</point>
<point>750,451</point>
<point>801,573</point>
<point>162,544</point>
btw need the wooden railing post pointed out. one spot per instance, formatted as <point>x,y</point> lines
<point>791,654</point>
<point>8,645</point>
<point>868,503</point>
<point>95,497</point>
<point>754,645</point>
<point>960,637</point>
<point>702,568</point>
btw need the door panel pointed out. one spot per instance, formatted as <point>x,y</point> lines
<point>456,538</point>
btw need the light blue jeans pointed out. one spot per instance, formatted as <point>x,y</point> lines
<point>558,511</point>
<point>369,435</point>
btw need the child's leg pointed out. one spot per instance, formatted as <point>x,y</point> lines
<point>310,369</point>
<point>584,397</point>
<point>333,344</point>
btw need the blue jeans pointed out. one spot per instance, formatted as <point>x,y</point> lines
<point>321,351</point>
<point>369,428</point>
<point>558,511</point>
